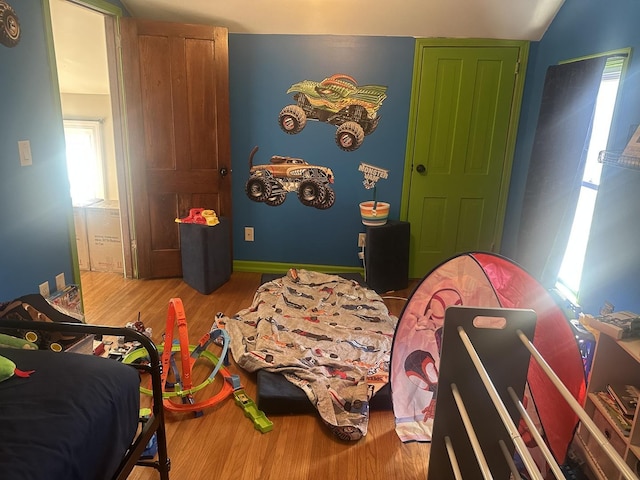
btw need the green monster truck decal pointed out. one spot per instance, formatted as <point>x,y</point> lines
<point>271,183</point>
<point>337,100</point>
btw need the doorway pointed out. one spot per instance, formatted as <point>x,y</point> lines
<point>85,61</point>
<point>464,113</point>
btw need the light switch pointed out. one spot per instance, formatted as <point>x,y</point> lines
<point>24,147</point>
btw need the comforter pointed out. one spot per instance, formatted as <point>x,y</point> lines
<point>328,335</point>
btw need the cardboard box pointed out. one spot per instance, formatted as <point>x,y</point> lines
<point>68,301</point>
<point>82,240</point>
<point>104,237</point>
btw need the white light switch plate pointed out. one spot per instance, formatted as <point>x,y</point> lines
<point>60,283</point>
<point>24,147</point>
<point>44,289</point>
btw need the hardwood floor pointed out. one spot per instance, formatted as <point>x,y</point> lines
<point>222,443</point>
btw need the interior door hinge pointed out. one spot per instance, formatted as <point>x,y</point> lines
<point>517,67</point>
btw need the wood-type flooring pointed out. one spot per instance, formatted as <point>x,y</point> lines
<point>222,444</point>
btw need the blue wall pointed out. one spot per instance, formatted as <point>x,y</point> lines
<point>612,267</point>
<point>34,228</point>
<point>35,204</point>
<point>262,68</point>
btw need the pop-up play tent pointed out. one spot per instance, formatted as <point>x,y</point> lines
<point>482,280</point>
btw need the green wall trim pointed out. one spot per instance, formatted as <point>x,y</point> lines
<point>277,267</point>
<point>55,89</point>
<point>513,128</point>
<point>611,53</point>
<point>101,6</point>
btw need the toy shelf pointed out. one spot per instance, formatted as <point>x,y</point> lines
<point>619,160</point>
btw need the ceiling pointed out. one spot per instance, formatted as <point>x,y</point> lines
<point>506,19</point>
<point>81,52</point>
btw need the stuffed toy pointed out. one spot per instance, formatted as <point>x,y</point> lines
<point>7,341</point>
<point>7,367</point>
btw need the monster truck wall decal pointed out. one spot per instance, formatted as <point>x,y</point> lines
<point>9,25</point>
<point>337,100</point>
<point>271,183</point>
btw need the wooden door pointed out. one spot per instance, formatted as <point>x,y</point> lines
<point>461,138</point>
<point>176,84</point>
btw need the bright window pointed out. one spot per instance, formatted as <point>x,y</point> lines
<point>573,260</point>
<point>84,159</point>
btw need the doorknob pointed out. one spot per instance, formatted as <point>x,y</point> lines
<point>420,168</point>
<point>223,171</point>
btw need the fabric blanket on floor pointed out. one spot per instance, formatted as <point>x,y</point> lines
<point>327,335</point>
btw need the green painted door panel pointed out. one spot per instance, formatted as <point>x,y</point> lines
<point>461,133</point>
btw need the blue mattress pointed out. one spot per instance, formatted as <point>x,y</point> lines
<point>73,418</point>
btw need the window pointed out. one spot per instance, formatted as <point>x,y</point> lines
<point>85,166</point>
<point>571,269</point>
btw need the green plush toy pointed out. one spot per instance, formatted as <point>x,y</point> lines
<point>8,341</point>
<point>7,367</point>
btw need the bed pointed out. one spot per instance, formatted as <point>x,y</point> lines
<point>326,337</point>
<point>77,416</point>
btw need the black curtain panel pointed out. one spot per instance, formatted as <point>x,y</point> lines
<point>557,165</point>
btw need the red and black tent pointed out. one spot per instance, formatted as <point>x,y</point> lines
<point>482,280</point>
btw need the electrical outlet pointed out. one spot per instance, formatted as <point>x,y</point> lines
<point>362,240</point>
<point>248,234</point>
<point>44,289</point>
<point>60,282</point>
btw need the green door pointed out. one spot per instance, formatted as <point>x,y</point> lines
<point>464,112</point>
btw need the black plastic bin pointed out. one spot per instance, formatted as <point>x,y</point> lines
<point>386,256</point>
<point>206,255</point>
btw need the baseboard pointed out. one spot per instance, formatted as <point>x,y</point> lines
<point>277,267</point>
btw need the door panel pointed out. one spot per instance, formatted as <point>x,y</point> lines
<point>177,89</point>
<point>461,135</point>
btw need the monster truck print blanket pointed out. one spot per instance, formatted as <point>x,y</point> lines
<point>327,335</point>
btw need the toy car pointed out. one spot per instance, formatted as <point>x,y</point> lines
<point>9,25</point>
<point>271,183</point>
<point>337,100</point>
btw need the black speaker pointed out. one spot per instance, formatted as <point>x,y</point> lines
<point>386,256</point>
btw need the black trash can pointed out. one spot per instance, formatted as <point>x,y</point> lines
<point>206,255</point>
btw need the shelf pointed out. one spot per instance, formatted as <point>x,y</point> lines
<point>631,346</point>
<point>619,160</point>
<point>600,406</point>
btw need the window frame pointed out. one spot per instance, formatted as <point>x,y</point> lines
<point>95,126</point>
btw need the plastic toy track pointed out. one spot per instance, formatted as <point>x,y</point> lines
<point>259,419</point>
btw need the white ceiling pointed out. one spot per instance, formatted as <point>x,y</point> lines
<point>81,53</point>
<point>506,19</point>
<point>79,33</point>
